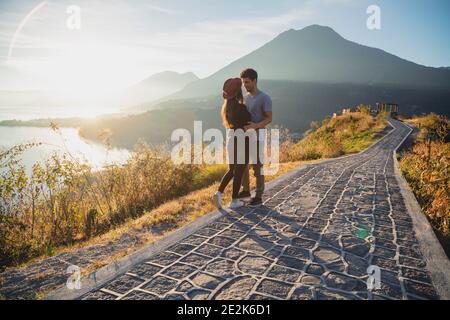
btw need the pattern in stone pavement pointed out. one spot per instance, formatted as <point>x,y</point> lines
<point>314,238</point>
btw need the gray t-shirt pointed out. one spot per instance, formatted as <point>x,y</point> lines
<point>257,105</point>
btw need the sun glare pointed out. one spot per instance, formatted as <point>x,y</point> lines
<point>85,72</point>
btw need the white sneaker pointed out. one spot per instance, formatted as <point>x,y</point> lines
<point>217,198</point>
<point>236,203</point>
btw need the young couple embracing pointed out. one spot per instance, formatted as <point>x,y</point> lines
<point>243,113</point>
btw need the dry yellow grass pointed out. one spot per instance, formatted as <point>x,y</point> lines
<point>426,167</point>
<point>344,134</point>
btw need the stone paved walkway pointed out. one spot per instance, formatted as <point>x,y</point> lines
<point>314,238</point>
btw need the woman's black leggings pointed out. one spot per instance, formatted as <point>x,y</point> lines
<point>235,172</point>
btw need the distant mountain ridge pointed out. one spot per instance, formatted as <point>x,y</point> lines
<point>168,77</point>
<point>319,54</point>
<point>155,87</point>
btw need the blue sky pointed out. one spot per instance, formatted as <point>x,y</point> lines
<point>135,38</point>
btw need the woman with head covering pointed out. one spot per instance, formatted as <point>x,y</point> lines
<point>235,117</point>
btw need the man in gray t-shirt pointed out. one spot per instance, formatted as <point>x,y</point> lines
<point>259,105</point>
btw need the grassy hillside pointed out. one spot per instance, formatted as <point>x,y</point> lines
<point>343,134</point>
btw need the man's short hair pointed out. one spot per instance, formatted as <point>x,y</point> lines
<point>249,73</point>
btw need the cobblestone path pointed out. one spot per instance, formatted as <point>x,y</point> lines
<point>314,238</point>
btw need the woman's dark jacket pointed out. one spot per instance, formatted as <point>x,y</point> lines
<point>238,115</point>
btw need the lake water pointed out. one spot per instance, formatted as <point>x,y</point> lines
<point>67,140</point>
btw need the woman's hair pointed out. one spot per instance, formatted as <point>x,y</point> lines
<point>227,105</point>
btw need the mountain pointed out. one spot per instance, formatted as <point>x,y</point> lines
<point>155,87</point>
<point>319,54</point>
